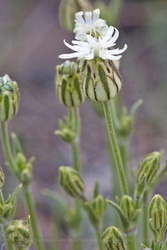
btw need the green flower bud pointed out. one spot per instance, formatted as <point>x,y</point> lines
<point>67,132</point>
<point>9,98</point>
<point>71,181</point>
<point>69,84</point>
<point>149,167</point>
<point>102,81</point>
<point>2,178</point>
<point>18,232</point>
<point>158,217</point>
<point>127,206</point>
<point>113,239</point>
<point>95,210</point>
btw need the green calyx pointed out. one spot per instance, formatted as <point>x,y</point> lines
<point>71,181</point>
<point>18,232</point>
<point>9,98</point>
<point>2,178</point>
<point>158,217</point>
<point>101,79</point>
<point>68,83</point>
<point>113,239</point>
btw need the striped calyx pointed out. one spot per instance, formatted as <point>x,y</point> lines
<point>2,178</point>
<point>68,83</point>
<point>158,217</point>
<point>9,98</point>
<point>102,81</point>
<point>18,233</point>
<point>71,181</point>
<point>149,167</point>
<point>113,239</point>
<point>127,206</point>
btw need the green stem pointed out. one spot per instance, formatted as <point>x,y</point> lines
<point>115,148</point>
<point>7,149</point>
<point>8,245</point>
<point>145,231</point>
<point>32,213</point>
<point>131,243</point>
<point>12,165</point>
<point>76,143</point>
<point>99,240</point>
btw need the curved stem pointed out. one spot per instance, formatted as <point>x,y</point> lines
<point>115,147</point>
<point>32,212</point>
<point>99,240</point>
<point>131,241</point>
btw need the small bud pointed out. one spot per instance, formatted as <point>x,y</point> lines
<point>127,206</point>
<point>69,84</point>
<point>2,178</point>
<point>102,81</point>
<point>71,181</point>
<point>95,210</point>
<point>9,98</point>
<point>18,232</point>
<point>113,239</point>
<point>149,167</point>
<point>158,217</point>
<point>66,131</point>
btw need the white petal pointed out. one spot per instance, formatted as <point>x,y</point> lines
<point>108,34</point>
<point>119,51</point>
<point>73,47</point>
<point>91,40</point>
<point>79,17</point>
<point>70,55</point>
<point>96,14</point>
<point>88,17</point>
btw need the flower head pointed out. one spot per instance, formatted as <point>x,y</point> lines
<point>96,47</point>
<point>90,24</point>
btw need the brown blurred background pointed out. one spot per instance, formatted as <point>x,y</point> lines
<point>30,42</point>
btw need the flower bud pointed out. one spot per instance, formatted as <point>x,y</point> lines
<point>2,178</point>
<point>69,84</point>
<point>113,239</point>
<point>149,167</point>
<point>71,181</point>
<point>102,81</point>
<point>158,217</point>
<point>127,206</point>
<point>18,232</point>
<point>9,98</point>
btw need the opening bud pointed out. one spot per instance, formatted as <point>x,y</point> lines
<point>71,181</point>
<point>18,232</point>
<point>69,84</point>
<point>102,81</point>
<point>9,98</point>
<point>113,239</point>
<point>158,217</point>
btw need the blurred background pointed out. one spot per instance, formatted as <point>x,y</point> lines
<point>30,41</point>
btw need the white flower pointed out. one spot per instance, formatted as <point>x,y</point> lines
<point>96,47</point>
<point>91,24</point>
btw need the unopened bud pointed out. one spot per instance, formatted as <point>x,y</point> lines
<point>18,232</point>
<point>158,217</point>
<point>102,81</point>
<point>149,167</point>
<point>71,181</point>
<point>69,84</point>
<point>113,239</point>
<point>2,178</point>
<point>127,206</point>
<point>9,98</point>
